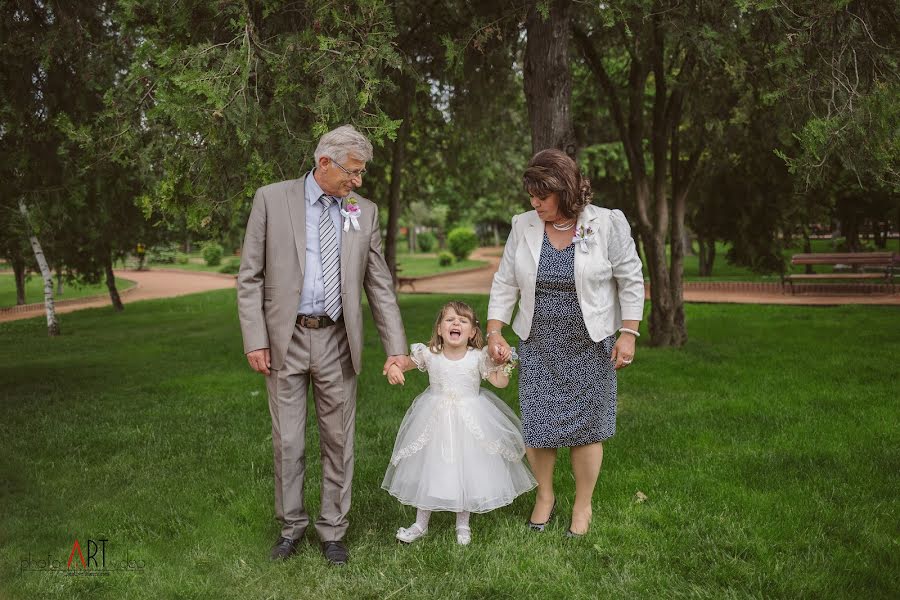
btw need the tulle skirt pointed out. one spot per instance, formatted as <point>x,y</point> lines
<point>458,454</point>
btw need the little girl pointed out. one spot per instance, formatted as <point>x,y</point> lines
<point>459,447</point>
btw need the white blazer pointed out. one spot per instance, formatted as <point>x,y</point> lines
<point>608,276</point>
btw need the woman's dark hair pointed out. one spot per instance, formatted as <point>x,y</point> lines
<point>553,170</point>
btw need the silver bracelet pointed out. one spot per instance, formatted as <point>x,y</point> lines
<point>492,332</point>
<point>631,331</point>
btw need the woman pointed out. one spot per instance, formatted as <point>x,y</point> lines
<point>576,274</point>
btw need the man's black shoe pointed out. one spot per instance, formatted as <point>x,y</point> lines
<point>284,548</point>
<point>335,552</point>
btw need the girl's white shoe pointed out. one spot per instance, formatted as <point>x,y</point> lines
<point>463,535</point>
<point>408,535</point>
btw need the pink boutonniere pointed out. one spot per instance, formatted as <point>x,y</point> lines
<point>351,213</point>
<point>583,237</point>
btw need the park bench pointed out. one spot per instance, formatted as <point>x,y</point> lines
<point>880,267</point>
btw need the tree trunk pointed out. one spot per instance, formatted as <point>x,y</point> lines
<point>676,268</point>
<point>662,315</point>
<point>52,320</point>
<point>18,265</point>
<point>397,160</point>
<point>688,245</point>
<point>111,284</point>
<point>701,256</point>
<point>548,80</point>
<point>852,233</point>
<point>59,282</point>
<point>880,229</point>
<point>807,248</point>
<point>706,256</point>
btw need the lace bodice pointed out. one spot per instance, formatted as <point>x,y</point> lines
<point>455,378</point>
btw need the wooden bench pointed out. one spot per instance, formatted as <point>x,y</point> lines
<point>883,264</point>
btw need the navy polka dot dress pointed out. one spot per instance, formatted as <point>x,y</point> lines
<point>567,384</point>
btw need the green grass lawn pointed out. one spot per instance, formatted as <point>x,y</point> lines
<point>34,289</point>
<point>768,448</point>
<point>195,263</point>
<point>419,265</point>
<point>411,265</point>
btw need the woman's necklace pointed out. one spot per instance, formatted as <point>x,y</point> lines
<point>567,227</point>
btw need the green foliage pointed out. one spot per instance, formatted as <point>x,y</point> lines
<point>461,242</point>
<point>846,112</point>
<point>212,253</point>
<point>426,241</point>
<point>181,258</point>
<point>166,254</point>
<point>221,86</point>
<point>445,259</point>
<point>232,266</point>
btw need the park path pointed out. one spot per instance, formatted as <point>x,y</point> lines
<point>157,283</point>
<point>736,292</point>
<point>168,283</point>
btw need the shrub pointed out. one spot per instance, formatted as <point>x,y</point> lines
<point>163,255</point>
<point>231,267</point>
<point>445,259</point>
<point>181,258</point>
<point>212,253</point>
<point>461,241</point>
<point>426,241</point>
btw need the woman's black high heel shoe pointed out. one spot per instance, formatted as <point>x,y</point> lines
<point>539,527</point>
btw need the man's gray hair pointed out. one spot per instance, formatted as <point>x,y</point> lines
<point>339,143</point>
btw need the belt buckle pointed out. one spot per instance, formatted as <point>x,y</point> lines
<point>313,322</point>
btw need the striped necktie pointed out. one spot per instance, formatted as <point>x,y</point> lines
<point>331,260</point>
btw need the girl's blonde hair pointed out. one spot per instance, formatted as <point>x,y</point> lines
<point>436,344</point>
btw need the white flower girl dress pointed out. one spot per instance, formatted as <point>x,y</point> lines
<point>459,447</point>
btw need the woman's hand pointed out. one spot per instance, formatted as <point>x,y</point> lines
<point>498,348</point>
<point>623,351</point>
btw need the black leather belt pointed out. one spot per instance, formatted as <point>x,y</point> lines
<point>315,321</point>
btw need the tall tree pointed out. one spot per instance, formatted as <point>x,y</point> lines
<point>235,95</point>
<point>841,74</point>
<point>50,307</point>
<point>548,79</point>
<point>666,72</point>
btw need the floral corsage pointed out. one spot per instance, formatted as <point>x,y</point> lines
<point>583,237</point>
<point>351,213</point>
<point>509,366</point>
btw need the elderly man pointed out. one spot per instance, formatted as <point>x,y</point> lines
<point>312,245</point>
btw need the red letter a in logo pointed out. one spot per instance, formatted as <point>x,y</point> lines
<point>76,546</point>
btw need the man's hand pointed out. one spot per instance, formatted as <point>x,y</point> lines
<point>395,359</point>
<point>260,360</point>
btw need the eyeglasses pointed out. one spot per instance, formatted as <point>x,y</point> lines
<point>352,174</point>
